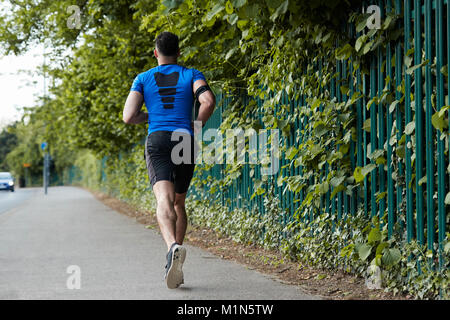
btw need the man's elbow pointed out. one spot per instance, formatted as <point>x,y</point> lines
<point>210,104</point>
<point>126,118</point>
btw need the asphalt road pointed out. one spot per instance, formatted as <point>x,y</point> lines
<point>10,200</point>
<point>67,245</point>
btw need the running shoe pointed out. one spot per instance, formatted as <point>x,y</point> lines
<point>174,267</point>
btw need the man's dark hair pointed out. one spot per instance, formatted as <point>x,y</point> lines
<point>167,44</point>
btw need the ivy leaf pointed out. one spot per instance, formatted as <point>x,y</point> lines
<point>381,247</point>
<point>361,172</point>
<point>280,11</point>
<point>447,198</point>
<point>231,52</point>
<point>336,190</point>
<point>344,53</point>
<point>393,106</point>
<point>367,47</point>
<point>361,25</point>
<point>233,18</point>
<point>280,180</point>
<point>417,66</point>
<point>410,127</point>
<point>376,154</point>
<point>321,276</point>
<point>387,22</point>
<point>229,7</point>
<point>171,4</point>
<point>447,245</point>
<point>423,180</point>
<point>391,257</point>
<point>444,70</point>
<point>366,125</point>
<point>374,235</point>
<point>337,181</point>
<point>438,120</point>
<point>324,187</point>
<point>291,152</point>
<point>358,175</point>
<point>408,61</point>
<point>214,11</point>
<point>239,3</point>
<point>364,251</point>
<point>359,42</point>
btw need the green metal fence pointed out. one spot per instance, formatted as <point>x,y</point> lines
<point>415,196</point>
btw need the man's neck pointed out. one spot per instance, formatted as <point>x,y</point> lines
<point>162,62</point>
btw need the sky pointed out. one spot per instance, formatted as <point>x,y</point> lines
<point>20,85</point>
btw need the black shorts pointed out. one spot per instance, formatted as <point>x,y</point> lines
<point>163,165</point>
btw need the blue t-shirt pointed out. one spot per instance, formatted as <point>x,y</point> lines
<point>168,96</point>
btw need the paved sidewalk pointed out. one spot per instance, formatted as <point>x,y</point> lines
<point>118,257</point>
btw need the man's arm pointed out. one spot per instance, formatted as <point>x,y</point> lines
<point>132,113</point>
<point>207,102</point>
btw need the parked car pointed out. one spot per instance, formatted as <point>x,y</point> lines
<point>6,181</point>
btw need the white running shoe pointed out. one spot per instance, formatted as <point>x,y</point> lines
<point>174,267</point>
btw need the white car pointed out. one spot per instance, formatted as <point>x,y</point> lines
<point>6,181</point>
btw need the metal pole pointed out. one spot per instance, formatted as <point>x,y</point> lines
<point>45,172</point>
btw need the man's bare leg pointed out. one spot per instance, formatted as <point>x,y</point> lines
<point>165,213</point>
<point>181,223</point>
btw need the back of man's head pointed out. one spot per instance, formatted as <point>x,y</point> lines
<point>167,44</point>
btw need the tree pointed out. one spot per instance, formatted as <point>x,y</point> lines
<point>8,141</point>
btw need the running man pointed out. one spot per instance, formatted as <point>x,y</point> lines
<point>168,91</point>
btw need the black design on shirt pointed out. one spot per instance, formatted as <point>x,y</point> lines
<point>168,83</point>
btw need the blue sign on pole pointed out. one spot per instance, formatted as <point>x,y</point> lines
<point>43,145</point>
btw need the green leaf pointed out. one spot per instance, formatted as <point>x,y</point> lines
<point>387,22</point>
<point>444,70</point>
<point>368,168</point>
<point>438,121</point>
<point>321,276</point>
<point>214,11</point>
<point>367,47</point>
<point>393,106</point>
<point>391,257</point>
<point>364,251</point>
<point>409,129</point>
<point>381,247</point>
<point>280,11</point>
<point>231,52</point>
<point>359,42</point>
<point>336,190</point>
<point>229,7</point>
<point>280,180</point>
<point>239,3</point>
<point>376,154</point>
<point>344,53</point>
<point>374,235</point>
<point>336,181</point>
<point>358,175</point>
<point>291,152</point>
<point>366,125</point>
<point>417,66</point>
<point>447,245</point>
<point>233,18</point>
<point>242,23</point>
<point>447,198</point>
<point>361,25</point>
<point>423,180</point>
<point>324,187</point>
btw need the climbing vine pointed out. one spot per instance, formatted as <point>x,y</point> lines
<point>280,63</point>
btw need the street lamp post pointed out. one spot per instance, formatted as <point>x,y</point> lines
<point>46,171</point>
